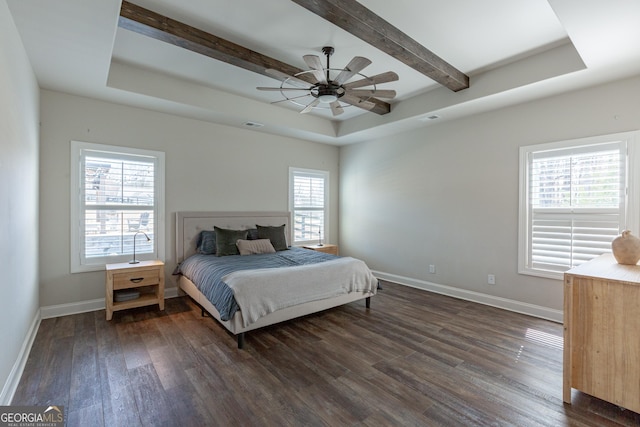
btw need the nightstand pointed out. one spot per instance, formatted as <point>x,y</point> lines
<point>326,248</point>
<point>146,277</point>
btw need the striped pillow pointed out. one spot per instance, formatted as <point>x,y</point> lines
<point>253,247</point>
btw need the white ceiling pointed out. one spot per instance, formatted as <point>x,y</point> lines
<point>513,51</point>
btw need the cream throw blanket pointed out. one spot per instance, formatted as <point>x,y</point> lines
<point>263,291</point>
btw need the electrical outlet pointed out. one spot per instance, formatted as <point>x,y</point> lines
<point>432,268</point>
<point>491,279</point>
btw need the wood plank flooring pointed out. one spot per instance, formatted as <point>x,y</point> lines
<point>415,358</point>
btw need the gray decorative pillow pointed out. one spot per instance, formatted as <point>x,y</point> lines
<point>226,241</point>
<point>275,234</point>
<point>206,242</point>
<point>254,247</point>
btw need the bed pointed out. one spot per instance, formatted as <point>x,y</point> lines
<point>332,281</point>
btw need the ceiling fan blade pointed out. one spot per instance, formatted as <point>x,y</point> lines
<point>389,76</point>
<point>352,68</point>
<point>315,64</point>
<point>378,93</point>
<point>280,88</point>
<point>355,101</point>
<point>310,106</point>
<point>336,108</point>
<point>290,79</point>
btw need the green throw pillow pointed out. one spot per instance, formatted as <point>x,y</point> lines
<point>275,234</point>
<point>226,241</point>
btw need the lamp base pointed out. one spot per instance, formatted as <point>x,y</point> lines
<point>134,262</point>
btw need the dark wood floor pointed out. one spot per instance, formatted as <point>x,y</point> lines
<point>415,358</point>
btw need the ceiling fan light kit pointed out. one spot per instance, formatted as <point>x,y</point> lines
<point>328,93</point>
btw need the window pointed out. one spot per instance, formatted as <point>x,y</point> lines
<point>117,203</point>
<point>308,201</point>
<point>573,202</point>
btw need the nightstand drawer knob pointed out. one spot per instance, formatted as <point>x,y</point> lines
<point>137,280</point>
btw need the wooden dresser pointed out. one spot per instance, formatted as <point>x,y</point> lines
<point>602,331</point>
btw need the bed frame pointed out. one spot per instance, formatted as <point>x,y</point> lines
<point>188,227</point>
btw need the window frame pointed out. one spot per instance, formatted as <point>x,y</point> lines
<point>79,263</point>
<point>629,211</point>
<point>293,172</point>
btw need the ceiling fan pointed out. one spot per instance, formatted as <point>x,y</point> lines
<point>332,93</point>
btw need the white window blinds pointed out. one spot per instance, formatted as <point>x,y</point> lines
<point>118,198</point>
<point>575,204</point>
<point>308,202</point>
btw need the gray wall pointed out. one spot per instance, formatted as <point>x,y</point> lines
<point>447,195</point>
<point>18,202</point>
<point>208,167</point>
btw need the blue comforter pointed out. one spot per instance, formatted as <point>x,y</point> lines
<point>207,271</point>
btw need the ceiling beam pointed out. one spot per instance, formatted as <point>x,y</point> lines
<point>160,27</point>
<point>356,19</point>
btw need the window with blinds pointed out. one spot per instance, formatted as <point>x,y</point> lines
<point>572,204</point>
<point>308,201</point>
<point>117,205</point>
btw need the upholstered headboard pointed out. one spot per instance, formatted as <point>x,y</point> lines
<point>190,224</point>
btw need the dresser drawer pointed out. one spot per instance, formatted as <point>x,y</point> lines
<point>136,278</point>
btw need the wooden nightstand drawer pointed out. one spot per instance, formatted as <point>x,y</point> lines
<point>136,278</point>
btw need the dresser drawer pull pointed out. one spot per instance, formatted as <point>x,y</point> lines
<point>137,280</point>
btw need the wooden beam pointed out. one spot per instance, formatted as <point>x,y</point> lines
<point>356,19</point>
<point>160,27</point>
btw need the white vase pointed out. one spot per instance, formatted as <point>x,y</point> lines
<point>626,248</point>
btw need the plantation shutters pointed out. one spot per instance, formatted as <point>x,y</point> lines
<point>576,204</point>
<point>308,201</point>
<point>118,196</point>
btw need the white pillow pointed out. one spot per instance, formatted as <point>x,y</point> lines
<point>253,247</point>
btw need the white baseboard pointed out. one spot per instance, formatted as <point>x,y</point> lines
<point>58,310</point>
<point>84,306</point>
<point>11,385</point>
<point>493,301</point>
<point>172,293</point>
